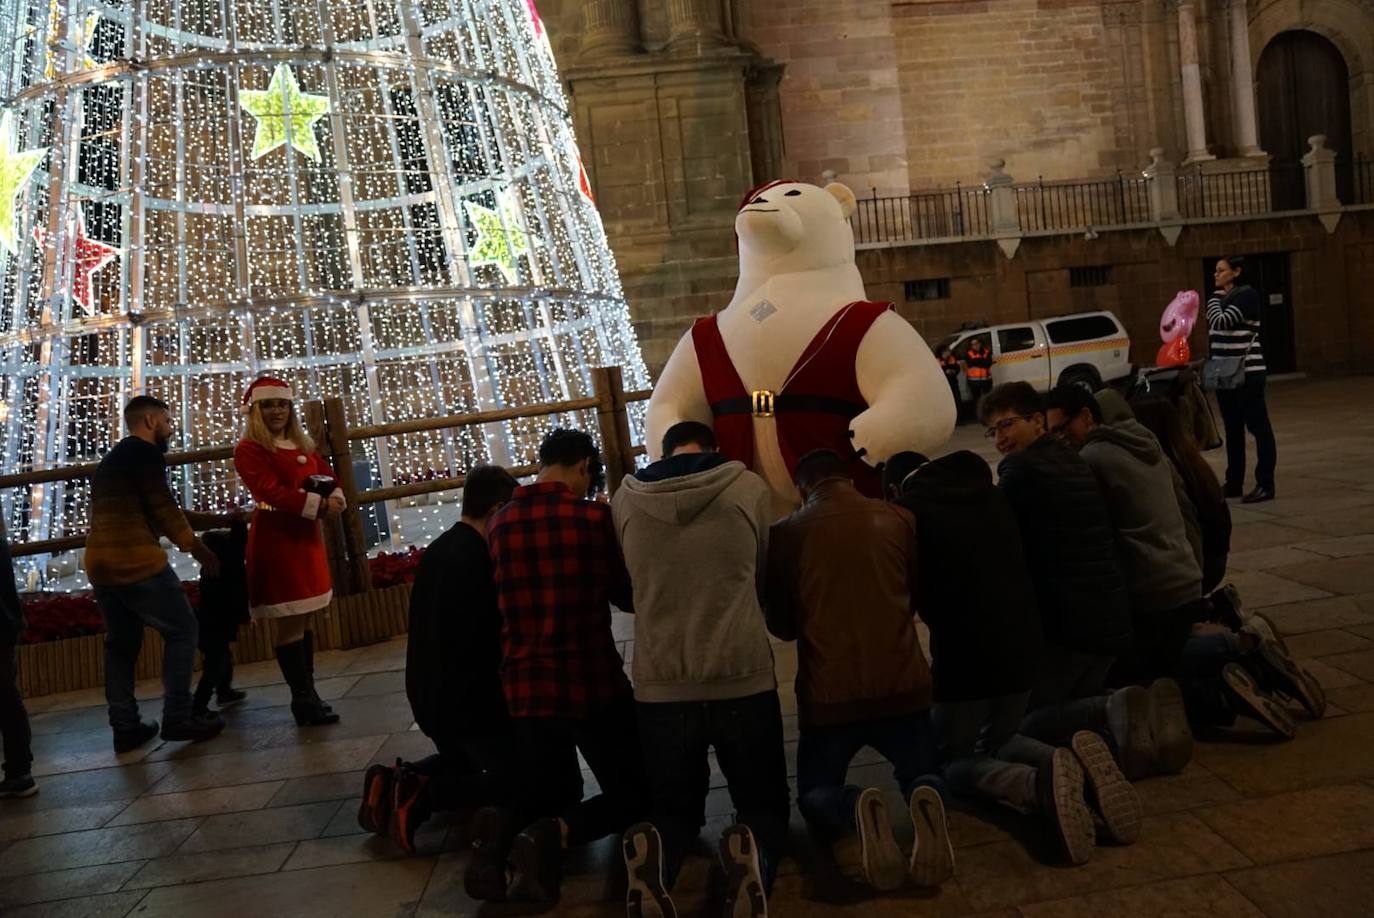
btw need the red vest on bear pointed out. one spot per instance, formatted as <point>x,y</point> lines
<point>815,404</point>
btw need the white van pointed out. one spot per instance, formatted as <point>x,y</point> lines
<point>1086,349</point>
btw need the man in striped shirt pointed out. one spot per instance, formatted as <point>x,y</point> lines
<point>1233,323</point>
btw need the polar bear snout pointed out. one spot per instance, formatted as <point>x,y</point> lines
<point>769,229</point>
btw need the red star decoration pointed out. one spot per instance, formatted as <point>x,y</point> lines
<point>584,184</point>
<point>91,256</point>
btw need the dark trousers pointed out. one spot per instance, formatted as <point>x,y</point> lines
<point>216,672</point>
<point>1241,409</point>
<point>1158,644</point>
<point>824,753</point>
<point>552,786</point>
<point>1199,678</point>
<point>14,720</point>
<point>747,736</point>
<point>468,775</point>
<point>1069,695</point>
<point>158,602</point>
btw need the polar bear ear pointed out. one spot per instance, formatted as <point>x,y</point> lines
<point>841,193</point>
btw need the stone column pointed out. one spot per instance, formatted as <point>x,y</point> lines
<point>1002,212</point>
<point>1243,82</point>
<point>694,25</point>
<point>1193,114</point>
<point>1163,178</point>
<point>610,27</point>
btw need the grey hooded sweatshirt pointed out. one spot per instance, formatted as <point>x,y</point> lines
<point>694,529</point>
<point>1161,571</point>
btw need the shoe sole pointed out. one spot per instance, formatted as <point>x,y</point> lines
<point>932,855</point>
<point>129,745</point>
<point>884,867</point>
<point>19,795</point>
<point>1295,681</point>
<point>1263,626</point>
<point>373,814</point>
<point>1259,705</point>
<point>1138,751</point>
<point>1173,738</point>
<point>1072,818</point>
<point>744,896</point>
<point>1117,801</point>
<point>646,897</point>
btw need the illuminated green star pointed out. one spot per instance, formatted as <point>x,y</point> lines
<point>282,102</point>
<point>496,244</point>
<point>16,169</point>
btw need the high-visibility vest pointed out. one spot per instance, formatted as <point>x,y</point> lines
<point>979,365</point>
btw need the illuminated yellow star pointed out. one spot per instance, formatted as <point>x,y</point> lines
<point>280,104</point>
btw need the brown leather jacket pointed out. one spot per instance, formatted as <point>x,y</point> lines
<point>841,580</point>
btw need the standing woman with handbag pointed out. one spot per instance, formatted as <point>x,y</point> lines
<point>1233,322</point>
<point>288,574</point>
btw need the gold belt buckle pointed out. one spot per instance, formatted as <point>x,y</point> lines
<point>762,402</point>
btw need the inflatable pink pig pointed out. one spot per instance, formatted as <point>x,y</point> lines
<point>1175,326</point>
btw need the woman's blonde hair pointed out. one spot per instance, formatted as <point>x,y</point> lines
<point>256,430</point>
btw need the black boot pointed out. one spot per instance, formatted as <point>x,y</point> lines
<point>310,670</point>
<point>292,660</point>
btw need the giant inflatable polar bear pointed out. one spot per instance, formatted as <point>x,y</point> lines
<point>800,359</point>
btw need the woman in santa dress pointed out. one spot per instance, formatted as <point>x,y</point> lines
<point>288,575</point>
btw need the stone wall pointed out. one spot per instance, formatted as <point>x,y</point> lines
<point>1333,307</point>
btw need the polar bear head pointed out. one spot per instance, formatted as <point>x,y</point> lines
<point>784,227</point>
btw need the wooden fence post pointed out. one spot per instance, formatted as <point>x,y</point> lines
<point>336,436</point>
<point>614,424</point>
<point>334,547</point>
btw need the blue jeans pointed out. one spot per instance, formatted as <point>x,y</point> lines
<point>824,753</point>
<point>747,736</point>
<point>160,603</point>
<point>985,755</point>
<point>1199,678</point>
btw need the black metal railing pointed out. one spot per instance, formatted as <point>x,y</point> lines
<point>1119,201</point>
<point>1355,180</point>
<point>951,214</point>
<point>1281,187</point>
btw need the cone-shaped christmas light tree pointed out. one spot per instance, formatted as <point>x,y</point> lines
<point>375,199</point>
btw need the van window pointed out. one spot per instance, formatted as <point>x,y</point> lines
<point>1081,328</point>
<point>1021,338</point>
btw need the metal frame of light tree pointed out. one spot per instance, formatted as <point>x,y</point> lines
<point>476,156</point>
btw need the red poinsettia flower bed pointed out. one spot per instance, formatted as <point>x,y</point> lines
<point>54,616</point>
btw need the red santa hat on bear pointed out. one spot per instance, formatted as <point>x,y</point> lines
<point>263,389</point>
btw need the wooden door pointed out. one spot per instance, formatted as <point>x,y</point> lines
<point>1304,89</point>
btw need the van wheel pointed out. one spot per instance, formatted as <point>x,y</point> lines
<point>1083,377</point>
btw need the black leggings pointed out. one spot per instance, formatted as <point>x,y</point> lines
<point>1241,409</point>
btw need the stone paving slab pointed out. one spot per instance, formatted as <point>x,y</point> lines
<point>263,818</point>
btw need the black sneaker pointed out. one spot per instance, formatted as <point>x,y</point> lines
<point>374,809</point>
<point>18,786</point>
<point>536,859</point>
<point>932,855</point>
<point>130,739</point>
<point>744,894</point>
<point>193,729</point>
<point>485,878</point>
<point>228,696</point>
<point>1282,674</point>
<point>1249,699</point>
<point>884,867</point>
<point>1059,786</point>
<point>647,895</point>
<point>1117,802</point>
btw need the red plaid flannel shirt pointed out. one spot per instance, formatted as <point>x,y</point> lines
<point>558,565</point>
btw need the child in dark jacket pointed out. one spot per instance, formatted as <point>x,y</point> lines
<point>223,606</point>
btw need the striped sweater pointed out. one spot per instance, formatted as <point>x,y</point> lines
<point>1233,326</point>
<point>131,506</point>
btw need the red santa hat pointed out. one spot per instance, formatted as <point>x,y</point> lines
<point>755,192</point>
<point>265,388</point>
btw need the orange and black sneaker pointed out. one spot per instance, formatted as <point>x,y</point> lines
<point>410,806</point>
<point>374,811</point>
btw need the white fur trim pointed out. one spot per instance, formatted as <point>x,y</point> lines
<point>312,506</point>
<point>293,607</point>
<point>262,393</point>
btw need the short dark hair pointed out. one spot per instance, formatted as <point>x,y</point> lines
<point>685,433</point>
<point>141,405</point>
<point>1237,262</point>
<point>1071,399</point>
<point>896,470</point>
<point>818,465</point>
<point>567,448</point>
<point>1019,398</point>
<point>485,488</point>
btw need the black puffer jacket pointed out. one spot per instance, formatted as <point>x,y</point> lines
<point>11,610</point>
<point>974,590</point>
<point>1070,547</point>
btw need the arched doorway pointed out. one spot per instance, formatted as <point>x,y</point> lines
<point>1304,89</point>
